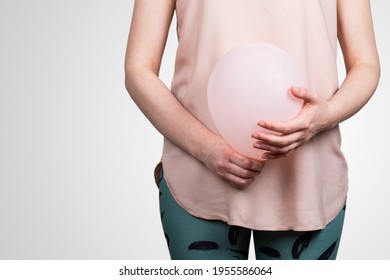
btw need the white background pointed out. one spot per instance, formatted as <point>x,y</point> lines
<point>77,156</point>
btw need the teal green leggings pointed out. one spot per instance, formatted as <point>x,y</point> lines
<point>192,238</point>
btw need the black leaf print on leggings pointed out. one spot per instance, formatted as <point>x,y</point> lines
<point>234,232</point>
<point>270,252</point>
<point>203,245</point>
<point>301,245</point>
<point>328,252</point>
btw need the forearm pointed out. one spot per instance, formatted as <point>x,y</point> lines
<point>357,41</point>
<point>168,115</point>
<point>147,38</point>
<point>356,90</point>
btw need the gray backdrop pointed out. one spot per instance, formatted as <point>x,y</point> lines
<point>76,155</point>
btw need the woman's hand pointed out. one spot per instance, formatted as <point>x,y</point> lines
<point>147,38</point>
<point>312,119</point>
<point>228,164</point>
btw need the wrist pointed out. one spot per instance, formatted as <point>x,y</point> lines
<point>331,115</point>
<point>205,147</point>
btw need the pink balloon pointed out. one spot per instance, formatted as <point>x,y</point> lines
<point>248,84</point>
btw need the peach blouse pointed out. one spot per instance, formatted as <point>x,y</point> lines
<point>303,191</point>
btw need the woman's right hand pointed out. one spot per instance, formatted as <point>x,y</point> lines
<point>229,165</point>
<point>147,39</point>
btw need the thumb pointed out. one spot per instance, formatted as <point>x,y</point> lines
<point>303,93</point>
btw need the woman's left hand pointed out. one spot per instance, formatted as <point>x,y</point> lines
<point>290,135</point>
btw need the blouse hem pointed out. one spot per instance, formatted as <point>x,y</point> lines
<point>234,222</point>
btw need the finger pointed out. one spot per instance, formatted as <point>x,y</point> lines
<point>270,155</point>
<point>238,182</point>
<point>241,172</point>
<point>291,126</point>
<point>276,149</point>
<point>276,140</point>
<point>247,163</point>
<point>302,93</point>
<point>233,179</point>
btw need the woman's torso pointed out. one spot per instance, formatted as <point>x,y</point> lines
<point>307,189</point>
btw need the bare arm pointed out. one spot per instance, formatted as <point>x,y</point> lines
<point>357,41</point>
<point>356,37</point>
<point>147,38</point>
